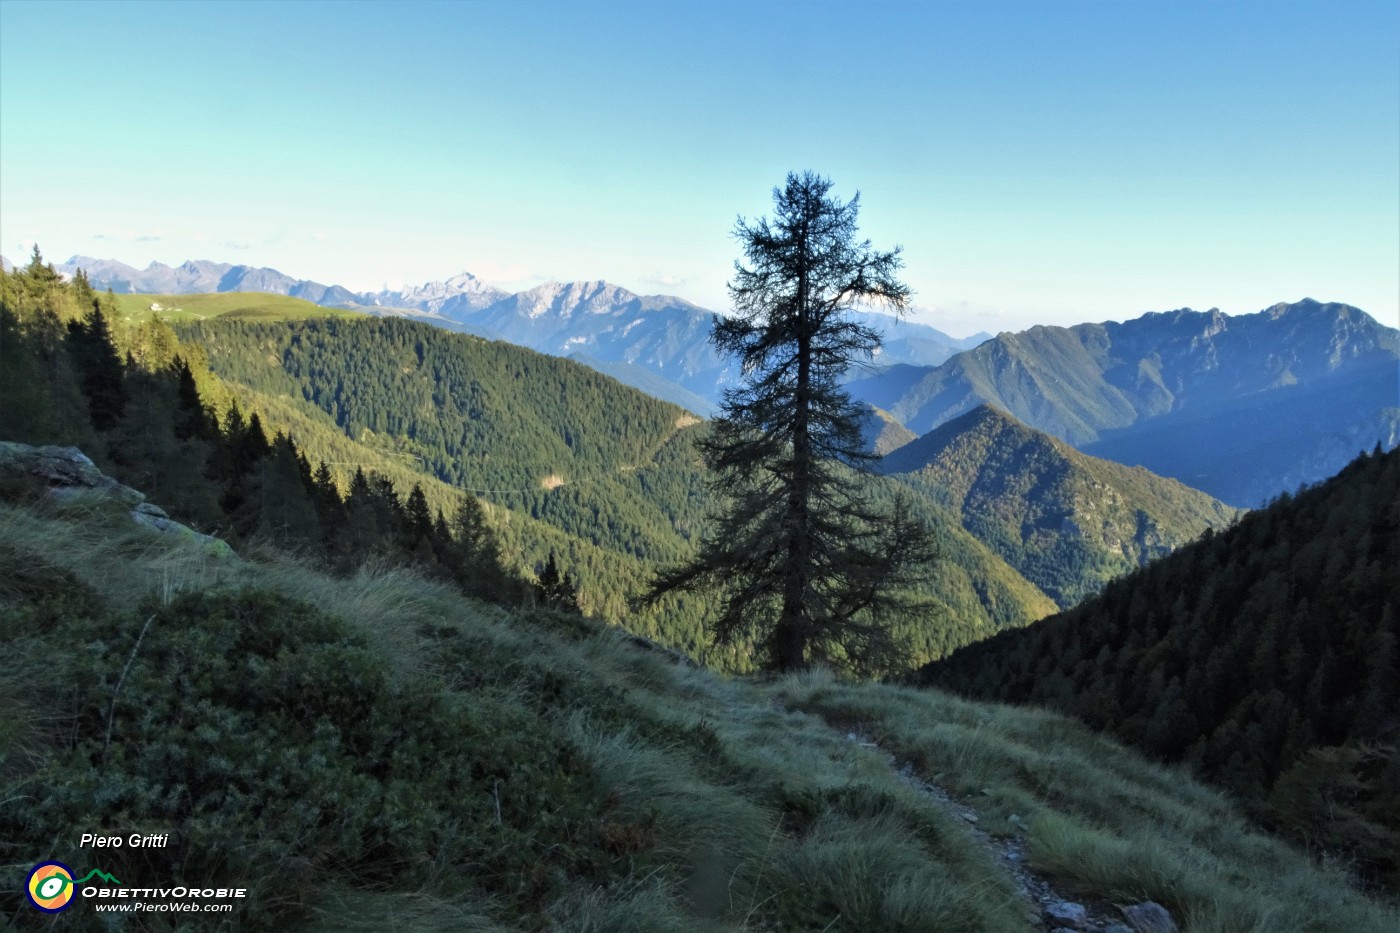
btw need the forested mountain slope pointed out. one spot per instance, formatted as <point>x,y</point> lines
<point>564,465</point>
<point>502,423</point>
<point>1068,522</point>
<point>1264,656</point>
<point>1241,407</point>
<point>639,377</point>
<point>881,433</point>
<point>553,442</point>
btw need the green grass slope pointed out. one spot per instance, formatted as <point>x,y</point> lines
<point>381,753</point>
<point>244,306</point>
<point>1068,522</point>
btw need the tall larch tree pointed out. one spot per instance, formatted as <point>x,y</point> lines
<point>805,562</point>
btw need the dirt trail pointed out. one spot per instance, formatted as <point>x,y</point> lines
<point>1047,908</point>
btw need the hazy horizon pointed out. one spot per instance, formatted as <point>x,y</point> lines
<point>916,313</point>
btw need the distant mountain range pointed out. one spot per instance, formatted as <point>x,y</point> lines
<point>1066,521</point>
<point>204,276</point>
<point>1242,407</point>
<point>657,343</point>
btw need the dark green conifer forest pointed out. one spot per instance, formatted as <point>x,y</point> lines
<point>132,401</point>
<point>310,435</point>
<point>1265,657</point>
<point>602,477</point>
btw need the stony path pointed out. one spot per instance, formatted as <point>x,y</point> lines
<point>1047,909</point>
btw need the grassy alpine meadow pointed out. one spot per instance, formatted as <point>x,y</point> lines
<point>134,309</point>
<point>378,751</point>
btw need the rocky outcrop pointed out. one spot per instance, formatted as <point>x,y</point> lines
<point>1150,917</point>
<point>65,471</point>
<point>67,474</point>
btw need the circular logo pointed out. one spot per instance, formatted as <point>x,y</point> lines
<point>50,887</point>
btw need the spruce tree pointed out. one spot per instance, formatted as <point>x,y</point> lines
<point>474,557</point>
<point>806,563</point>
<point>92,347</point>
<point>557,590</point>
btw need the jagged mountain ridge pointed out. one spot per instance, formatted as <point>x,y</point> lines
<point>1066,521</point>
<point>1077,382</point>
<point>202,276</point>
<point>1242,407</point>
<point>666,335</point>
<point>463,290</point>
<point>1112,389</point>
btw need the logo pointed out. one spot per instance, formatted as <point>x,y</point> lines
<point>51,886</point>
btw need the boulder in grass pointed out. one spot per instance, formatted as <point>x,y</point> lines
<point>1150,917</point>
<point>1067,913</point>
<point>154,517</point>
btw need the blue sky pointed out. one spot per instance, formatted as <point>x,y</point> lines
<point>1039,162</point>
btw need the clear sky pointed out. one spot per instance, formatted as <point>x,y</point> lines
<point>1039,161</point>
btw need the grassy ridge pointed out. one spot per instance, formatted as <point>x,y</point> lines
<point>234,306</point>
<point>671,799</point>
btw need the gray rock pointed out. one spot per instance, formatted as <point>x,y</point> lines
<point>1067,913</point>
<point>69,495</point>
<point>70,475</point>
<point>1116,928</point>
<point>62,468</point>
<point>215,547</point>
<point>1150,917</point>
